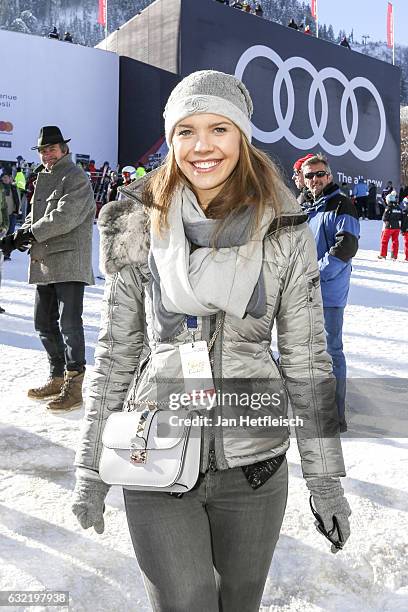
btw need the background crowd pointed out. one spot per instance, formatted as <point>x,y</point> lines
<point>17,182</point>
<point>17,187</point>
<point>248,7</point>
<point>255,8</point>
<point>390,206</point>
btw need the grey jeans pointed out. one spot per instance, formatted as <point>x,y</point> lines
<point>210,550</point>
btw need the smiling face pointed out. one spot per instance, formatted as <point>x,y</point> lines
<point>316,184</point>
<point>206,149</point>
<point>50,154</point>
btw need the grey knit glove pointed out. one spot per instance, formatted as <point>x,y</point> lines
<point>88,502</point>
<point>329,502</point>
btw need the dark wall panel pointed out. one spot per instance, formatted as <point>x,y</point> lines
<point>144,91</point>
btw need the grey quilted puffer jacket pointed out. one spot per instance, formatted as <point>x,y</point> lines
<point>132,364</point>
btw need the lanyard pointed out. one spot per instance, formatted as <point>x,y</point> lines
<point>192,325</point>
<point>191,322</point>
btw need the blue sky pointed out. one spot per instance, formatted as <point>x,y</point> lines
<point>366,17</point>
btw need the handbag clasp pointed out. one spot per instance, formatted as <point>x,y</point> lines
<point>139,455</point>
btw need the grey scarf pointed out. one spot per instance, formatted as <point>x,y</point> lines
<point>223,272</point>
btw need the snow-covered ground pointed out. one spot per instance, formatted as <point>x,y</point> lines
<point>43,547</point>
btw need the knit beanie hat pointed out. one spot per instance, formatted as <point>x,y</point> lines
<point>299,162</point>
<point>209,91</point>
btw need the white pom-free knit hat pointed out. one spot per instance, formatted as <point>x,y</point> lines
<point>209,91</point>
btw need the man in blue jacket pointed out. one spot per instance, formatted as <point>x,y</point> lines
<point>334,222</point>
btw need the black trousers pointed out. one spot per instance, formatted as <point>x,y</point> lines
<point>58,320</point>
<point>361,204</point>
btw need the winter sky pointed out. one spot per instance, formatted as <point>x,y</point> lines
<point>366,17</point>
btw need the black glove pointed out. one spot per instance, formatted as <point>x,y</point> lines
<point>7,244</point>
<point>23,237</point>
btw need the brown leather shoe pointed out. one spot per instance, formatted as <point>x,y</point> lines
<point>51,388</point>
<point>71,393</point>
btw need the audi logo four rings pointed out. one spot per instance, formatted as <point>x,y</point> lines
<point>318,128</point>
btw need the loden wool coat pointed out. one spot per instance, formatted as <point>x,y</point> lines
<point>61,220</point>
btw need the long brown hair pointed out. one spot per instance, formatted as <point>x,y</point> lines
<point>254,181</point>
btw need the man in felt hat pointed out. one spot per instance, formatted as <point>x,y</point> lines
<point>58,231</point>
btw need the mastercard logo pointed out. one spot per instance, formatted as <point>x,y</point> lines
<point>6,126</point>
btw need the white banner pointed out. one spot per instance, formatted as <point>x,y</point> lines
<point>51,82</point>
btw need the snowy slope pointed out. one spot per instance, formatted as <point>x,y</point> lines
<point>42,546</point>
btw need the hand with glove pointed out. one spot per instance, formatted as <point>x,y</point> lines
<point>88,500</point>
<point>22,238</point>
<point>331,510</point>
<point>7,245</point>
<point>19,240</point>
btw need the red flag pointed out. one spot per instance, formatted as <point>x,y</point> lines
<point>102,13</point>
<point>313,9</point>
<point>390,26</point>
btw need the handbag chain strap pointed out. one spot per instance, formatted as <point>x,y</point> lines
<point>216,332</point>
<point>138,456</point>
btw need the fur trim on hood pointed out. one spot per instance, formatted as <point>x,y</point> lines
<point>124,235</point>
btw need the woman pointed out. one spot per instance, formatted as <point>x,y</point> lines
<point>212,243</point>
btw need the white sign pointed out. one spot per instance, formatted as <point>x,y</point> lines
<point>52,82</point>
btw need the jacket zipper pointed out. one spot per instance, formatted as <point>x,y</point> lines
<point>212,460</point>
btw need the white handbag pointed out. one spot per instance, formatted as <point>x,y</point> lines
<point>136,456</point>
